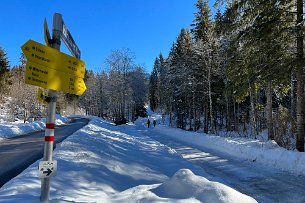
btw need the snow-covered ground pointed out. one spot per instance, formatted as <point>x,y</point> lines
<point>263,152</point>
<point>107,163</point>
<point>10,129</point>
<point>18,127</point>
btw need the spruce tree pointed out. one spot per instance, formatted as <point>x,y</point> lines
<point>153,86</point>
<point>180,70</point>
<point>201,24</point>
<point>300,77</point>
<point>4,70</point>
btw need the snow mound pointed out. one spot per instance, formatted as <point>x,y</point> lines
<point>11,129</point>
<point>184,185</point>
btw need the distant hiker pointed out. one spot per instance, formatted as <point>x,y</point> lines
<point>148,123</point>
<point>154,123</point>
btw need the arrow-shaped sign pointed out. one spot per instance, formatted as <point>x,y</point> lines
<point>52,58</point>
<point>47,36</point>
<point>69,41</point>
<point>48,172</point>
<point>41,76</point>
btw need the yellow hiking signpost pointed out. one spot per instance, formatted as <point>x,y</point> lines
<point>52,58</point>
<point>51,69</point>
<point>42,76</point>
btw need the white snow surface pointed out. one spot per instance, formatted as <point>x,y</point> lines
<point>263,152</point>
<point>106,163</point>
<point>267,153</point>
<point>11,129</point>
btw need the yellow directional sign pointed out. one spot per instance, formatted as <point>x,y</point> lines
<point>42,76</point>
<point>41,95</point>
<point>47,36</point>
<point>52,58</point>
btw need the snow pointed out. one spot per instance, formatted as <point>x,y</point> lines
<point>106,163</point>
<point>11,129</point>
<point>267,153</point>
<point>184,184</point>
<point>261,150</point>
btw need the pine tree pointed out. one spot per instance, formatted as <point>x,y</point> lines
<point>300,78</point>
<point>162,82</point>
<point>201,24</point>
<point>153,86</point>
<point>180,71</point>
<point>4,70</point>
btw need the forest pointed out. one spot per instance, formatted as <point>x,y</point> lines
<point>117,93</point>
<point>238,70</point>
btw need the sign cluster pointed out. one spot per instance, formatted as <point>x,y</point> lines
<point>51,69</point>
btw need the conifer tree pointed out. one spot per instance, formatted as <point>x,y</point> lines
<point>153,86</point>
<point>180,71</point>
<point>201,24</point>
<point>300,77</point>
<point>4,70</point>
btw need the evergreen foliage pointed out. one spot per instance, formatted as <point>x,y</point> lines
<point>4,70</point>
<point>243,70</point>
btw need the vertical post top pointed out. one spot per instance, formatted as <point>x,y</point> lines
<point>57,22</point>
<point>57,30</point>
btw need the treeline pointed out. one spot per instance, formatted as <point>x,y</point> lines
<point>18,96</point>
<point>242,70</point>
<point>118,94</point>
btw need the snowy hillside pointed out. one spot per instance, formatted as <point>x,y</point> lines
<point>107,163</point>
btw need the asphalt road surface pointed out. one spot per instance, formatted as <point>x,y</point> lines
<point>17,153</point>
<point>265,184</point>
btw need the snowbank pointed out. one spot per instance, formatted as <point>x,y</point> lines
<point>107,163</point>
<point>9,129</point>
<point>267,153</point>
<point>185,185</point>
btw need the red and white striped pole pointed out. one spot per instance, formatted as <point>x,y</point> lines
<point>51,111</point>
<point>49,135</point>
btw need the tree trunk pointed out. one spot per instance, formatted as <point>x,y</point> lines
<point>210,102</point>
<point>206,120</point>
<point>269,111</point>
<point>252,113</point>
<point>293,114</point>
<point>300,80</point>
<point>228,123</point>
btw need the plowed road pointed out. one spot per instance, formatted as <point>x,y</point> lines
<point>17,153</point>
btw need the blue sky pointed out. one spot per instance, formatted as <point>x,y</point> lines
<point>147,27</point>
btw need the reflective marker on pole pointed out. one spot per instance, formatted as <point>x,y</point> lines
<point>50,125</point>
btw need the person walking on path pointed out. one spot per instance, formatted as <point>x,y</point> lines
<point>154,123</point>
<point>148,123</point>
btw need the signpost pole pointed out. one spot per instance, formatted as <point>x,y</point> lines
<point>51,110</point>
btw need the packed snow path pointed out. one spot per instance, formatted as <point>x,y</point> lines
<point>106,163</point>
<point>19,152</point>
<point>263,183</point>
